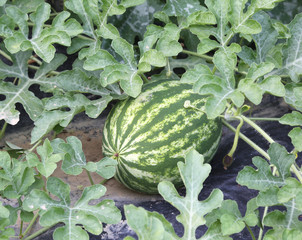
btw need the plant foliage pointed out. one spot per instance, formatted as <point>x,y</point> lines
<point>89,216</point>
<point>58,64</point>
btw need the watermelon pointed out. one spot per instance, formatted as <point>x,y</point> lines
<point>148,135</point>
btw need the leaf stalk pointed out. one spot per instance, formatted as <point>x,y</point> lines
<point>39,232</point>
<point>2,132</point>
<point>30,225</point>
<point>89,176</point>
<point>4,54</point>
<point>250,231</point>
<point>206,57</point>
<point>247,140</point>
<point>258,129</point>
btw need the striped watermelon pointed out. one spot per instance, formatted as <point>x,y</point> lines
<point>150,134</point>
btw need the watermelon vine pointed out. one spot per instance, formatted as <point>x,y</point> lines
<point>216,59</point>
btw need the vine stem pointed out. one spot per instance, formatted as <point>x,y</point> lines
<point>261,229</point>
<point>247,140</point>
<point>296,172</point>
<point>104,181</point>
<point>209,58</point>
<point>250,231</point>
<point>33,147</point>
<point>258,129</point>
<point>37,233</point>
<point>235,143</point>
<point>4,54</point>
<point>145,79</point>
<point>169,72</point>
<point>36,60</point>
<point>21,228</point>
<point>40,63</point>
<point>3,130</point>
<point>85,37</point>
<point>89,176</point>
<point>264,119</point>
<point>30,224</point>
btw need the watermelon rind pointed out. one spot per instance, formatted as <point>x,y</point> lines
<point>148,135</point>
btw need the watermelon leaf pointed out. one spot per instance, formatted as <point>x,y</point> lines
<point>105,167</point>
<point>230,217</point>
<point>263,179</point>
<point>20,93</point>
<point>74,160</point>
<point>182,8</point>
<point>292,62</point>
<point>81,8</point>
<point>15,177</point>
<point>265,41</point>
<point>55,211</point>
<point>127,74</point>
<point>296,136</point>
<point>193,173</point>
<point>54,113</point>
<point>42,38</point>
<point>2,2</point>
<point>134,21</point>
<point>6,233</point>
<point>293,119</point>
<point>214,233</point>
<point>4,213</point>
<point>219,90</point>
<point>148,224</point>
<point>47,165</point>
<point>284,223</point>
<point>291,190</point>
<point>276,190</point>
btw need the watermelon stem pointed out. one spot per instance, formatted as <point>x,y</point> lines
<point>250,231</point>
<point>187,104</point>
<point>169,72</point>
<point>89,176</point>
<point>2,132</point>
<point>258,129</point>
<point>206,57</point>
<point>255,146</point>
<point>145,79</point>
<point>228,159</point>
<point>214,69</point>
<point>246,139</point>
<point>264,119</point>
<point>104,181</point>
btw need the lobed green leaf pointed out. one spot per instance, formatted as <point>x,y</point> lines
<point>48,162</point>
<point>193,173</point>
<point>4,213</point>
<point>296,137</point>
<point>182,8</point>
<point>147,224</point>
<point>83,213</point>
<point>230,217</point>
<point>15,177</point>
<point>292,52</point>
<point>293,119</point>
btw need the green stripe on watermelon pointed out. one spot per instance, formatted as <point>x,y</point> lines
<point>150,134</point>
